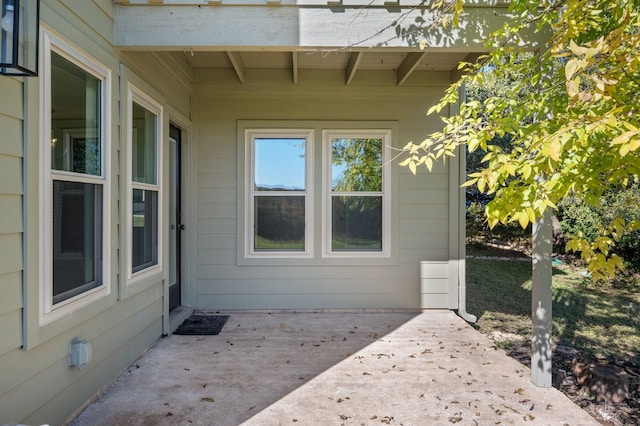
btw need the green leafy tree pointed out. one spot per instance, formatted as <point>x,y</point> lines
<point>573,121</point>
<point>357,172</point>
<point>359,162</point>
<point>588,221</point>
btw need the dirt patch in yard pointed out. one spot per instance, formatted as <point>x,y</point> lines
<point>626,412</point>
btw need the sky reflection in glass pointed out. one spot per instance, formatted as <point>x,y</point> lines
<point>280,164</point>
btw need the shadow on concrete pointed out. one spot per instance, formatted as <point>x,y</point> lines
<point>330,368</point>
<point>257,359</point>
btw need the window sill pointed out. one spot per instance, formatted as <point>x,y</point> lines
<point>142,280</point>
<point>74,304</point>
<point>330,261</point>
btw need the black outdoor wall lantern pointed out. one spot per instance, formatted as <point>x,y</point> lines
<point>19,29</point>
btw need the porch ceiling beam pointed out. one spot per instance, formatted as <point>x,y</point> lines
<point>238,66</point>
<point>247,27</point>
<point>470,58</point>
<point>407,66</point>
<point>294,66</point>
<point>352,67</point>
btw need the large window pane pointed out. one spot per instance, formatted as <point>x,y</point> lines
<point>145,229</point>
<point>279,164</point>
<point>75,118</point>
<point>356,165</point>
<point>144,145</point>
<point>279,223</point>
<point>77,238</point>
<point>356,223</point>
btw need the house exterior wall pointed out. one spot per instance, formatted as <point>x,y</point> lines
<point>37,385</point>
<point>420,204</point>
<point>11,192</point>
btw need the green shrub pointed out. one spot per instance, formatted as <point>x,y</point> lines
<point>477,227</point>
<point>578,219</point>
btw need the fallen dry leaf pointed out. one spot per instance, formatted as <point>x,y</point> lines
<point>512,409</point>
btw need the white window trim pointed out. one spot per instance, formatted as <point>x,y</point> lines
<point>385,135</point>
<point>250,136</point>
<point>134,94</point>
<point>49,312</point>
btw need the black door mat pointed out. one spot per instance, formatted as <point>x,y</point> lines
<point>202,325</point>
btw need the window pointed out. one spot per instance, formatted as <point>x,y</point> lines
<point>76,185</point>
<point>279,195</point>
<point>352,179</point>
<point>144,135</point>
<point>356,193</point>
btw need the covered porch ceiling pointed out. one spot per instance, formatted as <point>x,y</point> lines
<point>351,36</point>
<point>402,63</point>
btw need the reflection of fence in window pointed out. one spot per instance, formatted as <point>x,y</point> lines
<point>280,222</point>
<point>357,223</point>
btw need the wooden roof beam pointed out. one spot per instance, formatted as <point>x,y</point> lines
<point>352,66</point>
<point>407,66</point>
<point>470,58</point>
<point>294,66</point>
<point>238,66</point>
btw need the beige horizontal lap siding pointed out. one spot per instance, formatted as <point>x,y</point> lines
<point>117,338</point>
<point>422,201</point>
<point>36,384</point>
<point>11,191</point>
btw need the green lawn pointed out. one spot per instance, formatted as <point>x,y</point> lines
<point>598,319</point>
<point>284,245</point>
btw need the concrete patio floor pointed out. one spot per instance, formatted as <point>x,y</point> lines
<point>330,368</point>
